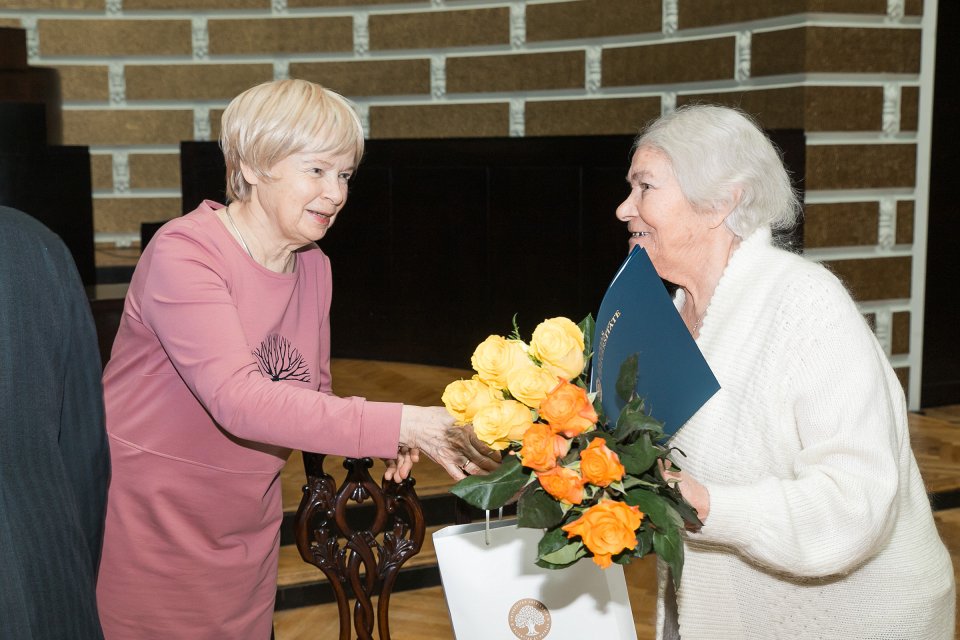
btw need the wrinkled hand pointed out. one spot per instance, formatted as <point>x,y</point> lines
<point>399,469</point>
<point>455,448</point>
<point>692,491</point>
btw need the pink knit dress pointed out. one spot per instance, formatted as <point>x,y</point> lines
<point>220,367</point>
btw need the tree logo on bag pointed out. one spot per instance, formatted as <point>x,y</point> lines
<point>529,619</point>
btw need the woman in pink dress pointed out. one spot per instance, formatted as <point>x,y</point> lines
<point>221,366</point>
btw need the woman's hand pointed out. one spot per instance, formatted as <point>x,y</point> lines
<point>399,469</point>
<point>692,491</point>
<point>456,449</point>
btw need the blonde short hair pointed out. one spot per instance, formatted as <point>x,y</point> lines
<point>271,121</point>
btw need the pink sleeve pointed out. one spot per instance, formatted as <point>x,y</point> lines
<point>186,304</point>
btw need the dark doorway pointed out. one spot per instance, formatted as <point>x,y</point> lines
<point>940,383</point>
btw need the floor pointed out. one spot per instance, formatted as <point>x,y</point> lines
<point>421,614</point>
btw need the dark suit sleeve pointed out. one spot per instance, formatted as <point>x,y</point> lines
<point>82,438</point>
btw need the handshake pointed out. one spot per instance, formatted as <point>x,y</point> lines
<point>516,384</point>
<point>432,431</point>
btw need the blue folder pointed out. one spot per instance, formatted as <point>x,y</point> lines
<point>638,316</point>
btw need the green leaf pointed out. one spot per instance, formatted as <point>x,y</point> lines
<point>636,458</point>
<point>537,509</point>
<point>552,540</point>
<point>656,507</point>
<point>492,491</point>
<point>563,557</point>
<point>631,423</point>
<point>685,509</point>
<point>669,547</point>
<point>627,379</point>
<point>587,326</point>
<point>644,542</point>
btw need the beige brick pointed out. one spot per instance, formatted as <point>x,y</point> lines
<point>903,375</point>
<point>816,108</point>
<point>101,171</point>
<point>114,37</point>
<point>702,13</point>
<point>592,19</point>
<point>124,215</point>
<point>368,77</point>
<point>53,5</point>
<point>840,225</point>
<point>280,35</point>
<point>874,278</point>
<point>196,5</point>
<point>866,166</point>
<point>589,117</point>
<point>215,115</point>
<point>154,170</point>
<point>913,8</point>
<point>905,222</point>
<point>773,108</point>
<point>835,50</point>
<point>440,121</point>
<point>439,29</point>
<point>694,60</point>
<point>843,108</point>
<point>302,4</point>
<point>909,108</point>
<point>900,335</point>
<point>516,72</point>
<point>126,126</point>
<point>193,81</point>
<point>82,82</point>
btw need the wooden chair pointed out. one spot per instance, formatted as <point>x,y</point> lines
<point>361,560</point>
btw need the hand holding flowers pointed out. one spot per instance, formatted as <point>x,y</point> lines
<point>596,489</point>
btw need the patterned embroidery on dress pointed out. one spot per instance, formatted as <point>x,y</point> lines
<point>280,360</point>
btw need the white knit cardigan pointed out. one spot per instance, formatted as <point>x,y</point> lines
<point>819,525</point>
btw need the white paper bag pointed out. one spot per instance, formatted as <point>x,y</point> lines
<point>497,591</point>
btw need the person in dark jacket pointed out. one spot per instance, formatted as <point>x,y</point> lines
<point>54,458</point>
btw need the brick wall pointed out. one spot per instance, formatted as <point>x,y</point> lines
<point>140,75</point>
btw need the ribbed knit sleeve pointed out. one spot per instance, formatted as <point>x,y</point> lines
<point>819,526</point>
<point>826,397</point>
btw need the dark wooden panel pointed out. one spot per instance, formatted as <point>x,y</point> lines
<point>53,185</point>
<point>443,241</point>
<point>941,349</point>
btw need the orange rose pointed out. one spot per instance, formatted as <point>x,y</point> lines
<point>607,528</point>
<point>542,447</point>
<point>564,484</point>
<point>568,410</point>
<point>599,465</point>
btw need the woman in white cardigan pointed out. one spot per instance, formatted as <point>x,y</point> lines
<point>816,522</point>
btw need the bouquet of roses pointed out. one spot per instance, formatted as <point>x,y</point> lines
<point>596,489</point>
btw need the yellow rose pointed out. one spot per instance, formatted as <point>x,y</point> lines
<point>607,528</point>
<point>497,425</point>
<point>530,384</point>
<point>496,357</point>
<point>463,398</point>
<point>558,344</point>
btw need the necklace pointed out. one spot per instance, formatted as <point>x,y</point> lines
<point>239,235</point>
